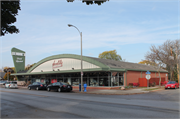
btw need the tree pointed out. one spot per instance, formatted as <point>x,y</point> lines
<point>112,55</point>
<point>9,9</point>
<point>146,62</point>
<point>90,2</point>
<point>29,66</point>
<point>8,69</point>
<point>164,55</point>
<point>8,76</point>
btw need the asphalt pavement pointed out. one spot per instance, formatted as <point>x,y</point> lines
<point>24,103</point>
<point>111,91</point>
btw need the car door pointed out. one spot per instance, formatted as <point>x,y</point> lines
<point>57,85</point>
<point>52,86</point>
<point>34,85</point>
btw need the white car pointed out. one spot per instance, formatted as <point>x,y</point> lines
<point>11,84</point>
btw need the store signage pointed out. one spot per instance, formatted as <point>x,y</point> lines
<point>19,59</point>
<point>53,80</point>
<point>58,64</point>
<point>18,54</point>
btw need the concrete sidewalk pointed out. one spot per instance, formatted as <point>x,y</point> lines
<point>109,92</point>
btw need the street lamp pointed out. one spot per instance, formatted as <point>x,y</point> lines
<point>81,56</point>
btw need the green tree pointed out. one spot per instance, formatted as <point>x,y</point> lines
<point>90,2</point>
<point>147,62</point>
<point>9,9</point>
<point>8,76</point>
<point>112,55</point>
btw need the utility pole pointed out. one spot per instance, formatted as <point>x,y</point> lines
<point>177,63</point>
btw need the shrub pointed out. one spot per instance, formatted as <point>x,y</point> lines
<point>154,84</point>
<point>130,84</point>
<point>128,87</point>
<point>136,84</point>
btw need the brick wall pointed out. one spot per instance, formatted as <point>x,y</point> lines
<point>133,76</point>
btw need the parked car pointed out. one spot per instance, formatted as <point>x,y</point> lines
<point>172,84</point>
<point>37,86</point>
<point>3,82</point>
<point>11,84</point>
<point>59,86</point>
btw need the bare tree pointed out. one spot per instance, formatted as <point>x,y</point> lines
<point>164,55</point>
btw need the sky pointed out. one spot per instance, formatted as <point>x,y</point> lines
<point>128,26</point>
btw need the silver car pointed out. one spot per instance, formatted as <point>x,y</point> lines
<point>11,84</point>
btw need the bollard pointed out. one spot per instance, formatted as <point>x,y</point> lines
<point>79,87</point>
<point>85,85</point>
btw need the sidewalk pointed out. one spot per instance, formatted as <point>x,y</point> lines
<point>109,92</point>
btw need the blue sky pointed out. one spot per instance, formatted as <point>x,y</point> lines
<point>128,26</point>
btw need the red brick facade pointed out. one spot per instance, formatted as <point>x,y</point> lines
<point>133,76</point>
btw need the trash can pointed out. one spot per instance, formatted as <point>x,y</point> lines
<point>79,87</point>
<point>85,86</point>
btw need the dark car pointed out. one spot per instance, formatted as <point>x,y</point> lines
<point>37,86</point>
<point>59,86</point>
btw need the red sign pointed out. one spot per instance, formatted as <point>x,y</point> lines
<point>42,80</point>
<point>58,64</point>
<point>53,80</point>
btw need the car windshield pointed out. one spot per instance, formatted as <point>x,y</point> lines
<point>14,82</point>
<point>64,83</point>
<point>39,83</point>
<point>171,82</point>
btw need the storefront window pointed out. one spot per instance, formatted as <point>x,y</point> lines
<point>101,82</point>
<point>43,81</point>
<point>75,81</point>
<point>121,80</point>
<point>93,82</point>
<point>38,80</point>
<point>84,80</point>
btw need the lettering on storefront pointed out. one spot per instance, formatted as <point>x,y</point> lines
<point>58,64</point>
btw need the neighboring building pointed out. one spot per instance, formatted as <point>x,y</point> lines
<point>2,75</point>
<point>96,72</point>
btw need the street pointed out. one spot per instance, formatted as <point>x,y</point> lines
<point>23,103</point>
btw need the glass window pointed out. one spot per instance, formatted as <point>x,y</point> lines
<point>101,82</point>
<point>64,83</point>
<point>75,81</point>
<point>14,82</point>
<point>93,82</point>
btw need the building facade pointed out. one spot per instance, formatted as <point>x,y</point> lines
<point>96,72</point>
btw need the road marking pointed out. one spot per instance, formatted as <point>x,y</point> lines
<point>25,93</point>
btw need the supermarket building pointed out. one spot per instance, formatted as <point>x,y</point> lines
<point>96,72</point>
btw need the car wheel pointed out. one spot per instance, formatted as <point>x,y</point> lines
<point>37,88</point>
<point>59,89</point>
<point>175,87</point>
<point>48,89</point>
<point>29,88</point>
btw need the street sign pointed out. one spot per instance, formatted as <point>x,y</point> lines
<point>148,77</point>
<point>148,72</point>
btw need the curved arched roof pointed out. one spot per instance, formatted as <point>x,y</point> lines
<point>84,58</point>
<point>104,64</point>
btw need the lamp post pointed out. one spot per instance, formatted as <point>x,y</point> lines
<point>81,56</point>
